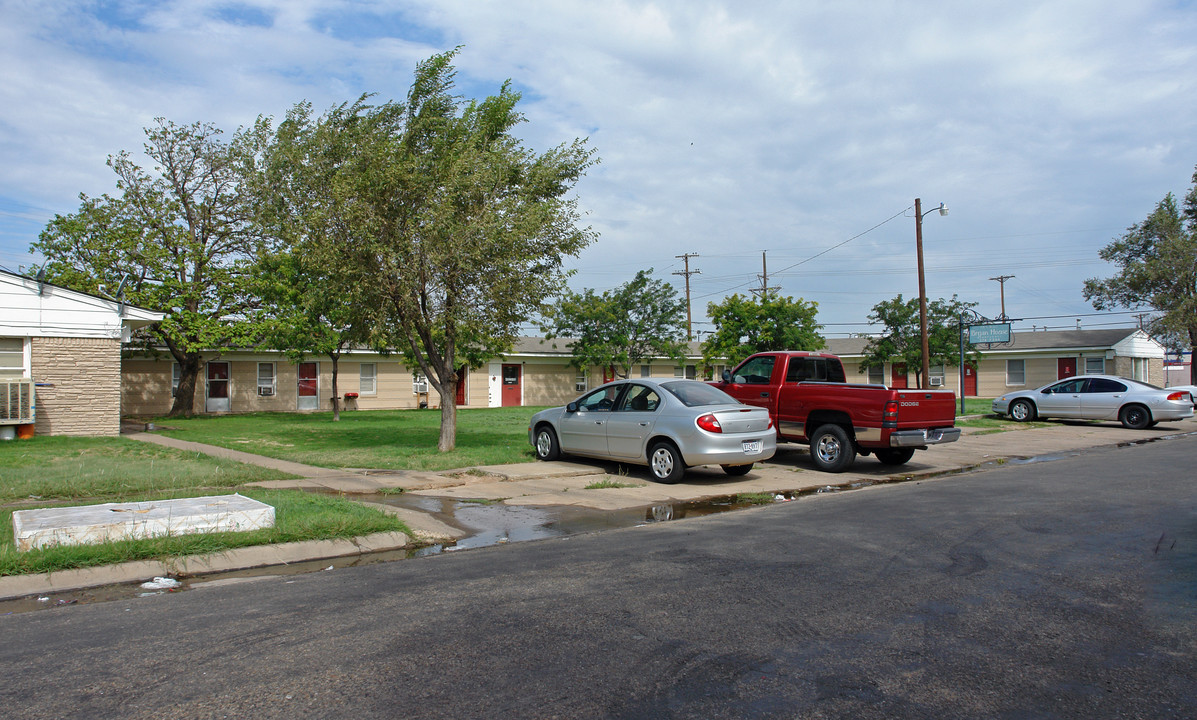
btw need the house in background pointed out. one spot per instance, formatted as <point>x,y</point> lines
<point>67,346</point>
<point>1030,360</point>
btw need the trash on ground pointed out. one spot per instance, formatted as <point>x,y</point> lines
<point>161,583</point>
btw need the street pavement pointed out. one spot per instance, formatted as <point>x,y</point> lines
<point>565,483</point>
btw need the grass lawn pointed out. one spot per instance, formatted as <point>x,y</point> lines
<point>377,439</point>
<point>50,471</point>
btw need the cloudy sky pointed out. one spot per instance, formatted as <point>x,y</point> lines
<point>793,133</point>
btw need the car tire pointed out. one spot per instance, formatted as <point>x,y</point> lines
<point>831,449</point>
<point>1135,417</point>
<point>547,447</point>
<point>1022,411</point>
<point>895,456</point>
<point>665,463</point>
<point>737,470</point>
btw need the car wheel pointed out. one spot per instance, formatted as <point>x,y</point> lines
<point>831,449</point>
<point>1022,411</point>
<point>737,470</point>
<point>547,447</point>
<point>665,463</point>
<point>895,456</point>
<point>1135,417</point>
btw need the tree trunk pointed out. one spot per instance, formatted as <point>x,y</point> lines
<point>448,390</point>
<point>1192,346</point>
<point>336,396</point>
<point>184,402</point>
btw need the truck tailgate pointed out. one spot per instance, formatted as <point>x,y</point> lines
<point>926,408</point>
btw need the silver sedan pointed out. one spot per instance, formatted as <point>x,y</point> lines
<point>667,425</point>
<point>1135,404</point>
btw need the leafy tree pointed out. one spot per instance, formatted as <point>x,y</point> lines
<point>312,281</point>
<point>744,326</point>
<point>641,319</point>
<point>1158,261</point>
<point>179,240</point>
<point>461,229</point>
<point>901,341</point>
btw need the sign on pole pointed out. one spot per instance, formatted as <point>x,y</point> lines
<point>996,333</point>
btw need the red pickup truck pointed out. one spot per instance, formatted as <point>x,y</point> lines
<point>809,401</point>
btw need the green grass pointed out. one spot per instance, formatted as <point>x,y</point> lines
<point>377,439</point>
<point>69,468</point>
<point>298,516</point>
<point>755,499</point>
<point>610,484</point>
<point>975,406</point>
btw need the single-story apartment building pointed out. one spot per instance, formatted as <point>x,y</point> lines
<point>537,372</point>
<point>60,357</point>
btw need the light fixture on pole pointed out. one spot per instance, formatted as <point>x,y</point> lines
<point>925,371</point>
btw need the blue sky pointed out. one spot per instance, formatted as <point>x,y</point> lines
<point>726,129</point>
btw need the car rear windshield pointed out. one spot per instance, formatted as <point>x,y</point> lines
<point>696,394</point>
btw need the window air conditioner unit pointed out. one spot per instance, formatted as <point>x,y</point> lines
<point>265,391</point>
<point>419,386</point>
<point>936,381</point>
<point>17,405</point>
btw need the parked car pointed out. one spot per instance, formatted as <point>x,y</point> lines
<point>668,425</point>
<point>1135,404</point>
<point>1190,389</point>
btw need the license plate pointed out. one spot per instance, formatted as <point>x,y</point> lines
<point>752,447</point>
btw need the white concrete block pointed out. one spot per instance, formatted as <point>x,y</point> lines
<point>92,524</point>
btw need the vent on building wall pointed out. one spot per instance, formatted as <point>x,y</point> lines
<point>17,405</point>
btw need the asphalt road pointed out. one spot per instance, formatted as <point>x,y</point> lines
<point>1049,590</point>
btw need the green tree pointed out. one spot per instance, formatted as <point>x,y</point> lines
<point>1158,269</point>
<point>178,240</point>
<point>643,318</point>
<point>901,340</point>
<point>463,229</point>
<point>313,282</point>
<point>747,325</point>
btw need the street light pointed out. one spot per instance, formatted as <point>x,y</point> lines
<point>924,377</point>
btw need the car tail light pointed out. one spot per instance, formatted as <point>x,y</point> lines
<point>710,423</point>
<point>891,410</point>
<point>1179,396</point>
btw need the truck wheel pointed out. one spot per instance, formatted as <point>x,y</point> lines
<point>831,449</point>
<point>1022,411</point>
<point>547,447</point>
<point>666,464</point>
<point>737,470</point>
<point>895,456</point>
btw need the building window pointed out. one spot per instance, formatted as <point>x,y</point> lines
<point>367,382</point>
<point>580,381</point>
<point>1140,366</point>
<point>646,371</point>
<point>935,375</point>
<point>877,375</point>
<point>1016,372</point>
<point>266,379</point>
<point>12,357</point>
<point>1095,366</point>
<point>176,373</point>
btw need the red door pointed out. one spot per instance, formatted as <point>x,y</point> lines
<point>970,381</point>
<point>897,376</point>
<point>461,386</point>
<point>1066,368</point>
<point>307,386</point>
<point>512,391</point>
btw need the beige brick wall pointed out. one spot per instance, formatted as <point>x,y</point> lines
<point>79,389</point>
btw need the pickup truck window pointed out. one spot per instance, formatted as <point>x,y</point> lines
<point>820,369</point>
<point>756,371</point>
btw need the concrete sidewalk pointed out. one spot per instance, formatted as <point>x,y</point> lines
<point>566,483</point>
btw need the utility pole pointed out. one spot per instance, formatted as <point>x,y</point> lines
<point>763,290</point>
<point>687,273</point>
<point>925,370</point>
<point>1002,279</point>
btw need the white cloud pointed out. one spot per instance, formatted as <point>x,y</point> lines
<point>724,128</point>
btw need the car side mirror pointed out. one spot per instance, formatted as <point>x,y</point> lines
<point>727,376</point>
<point>571,408</point>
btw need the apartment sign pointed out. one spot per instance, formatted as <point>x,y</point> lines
<point>995,333</point>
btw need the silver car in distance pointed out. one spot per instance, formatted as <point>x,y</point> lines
<point>667,425</point>
<point>1135,404</point>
